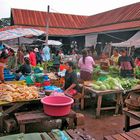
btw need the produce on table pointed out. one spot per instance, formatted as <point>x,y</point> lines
<point>13,92</point>
<point>114,71</point>
<point>96,72</point>
<point>115,84</point>
<point>129,83</point>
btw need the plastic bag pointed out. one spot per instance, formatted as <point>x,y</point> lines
<point>55,93</point>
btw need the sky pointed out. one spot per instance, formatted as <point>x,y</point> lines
<point>77,7</point>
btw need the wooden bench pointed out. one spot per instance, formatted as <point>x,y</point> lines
<point>24,118</point>
<point>131,114</point>
<point>132,135</point>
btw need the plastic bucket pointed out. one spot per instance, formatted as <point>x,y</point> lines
<point>57,105</point>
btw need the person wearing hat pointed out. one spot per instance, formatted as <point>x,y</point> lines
<point>11,59</point>
<point>38,56</point>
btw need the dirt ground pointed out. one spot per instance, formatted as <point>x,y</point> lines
<point>108,124</point>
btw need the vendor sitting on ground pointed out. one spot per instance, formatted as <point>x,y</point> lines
<point>25,69</point>
<point>71,84</point>
<point>126,64</point>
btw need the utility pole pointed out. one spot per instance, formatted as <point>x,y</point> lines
<point>47,24</point>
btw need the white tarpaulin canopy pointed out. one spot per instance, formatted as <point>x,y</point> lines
<point>19,32</point>
<point>21,40</point>
<point>133,41</point>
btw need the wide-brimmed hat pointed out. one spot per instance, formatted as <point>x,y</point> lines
<point>36,50</point>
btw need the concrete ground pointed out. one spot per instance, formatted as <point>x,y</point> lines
<point>108,124</point>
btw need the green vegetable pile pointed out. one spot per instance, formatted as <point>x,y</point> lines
<point>114,71</point>
<point>129,83</point>
<point>96,72</point>
<point>115,84</point>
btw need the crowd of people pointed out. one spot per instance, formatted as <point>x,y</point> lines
<point>125,63</point>
<point>21,63</point>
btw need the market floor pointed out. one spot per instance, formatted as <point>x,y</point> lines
<point>108,124</point>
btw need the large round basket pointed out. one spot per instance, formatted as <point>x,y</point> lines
<point>131,105</point>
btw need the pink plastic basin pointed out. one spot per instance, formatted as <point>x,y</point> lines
<point>57,105</point>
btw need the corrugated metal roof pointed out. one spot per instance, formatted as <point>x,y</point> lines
<point>69,32</point>
<point>119,15</point>
<point>65,25</point>
<point>39,18</point>
<point>113,27</point>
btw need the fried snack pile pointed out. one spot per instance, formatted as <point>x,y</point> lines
<point>13,92</point>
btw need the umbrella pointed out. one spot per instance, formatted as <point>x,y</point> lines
<point>54,42</point>
<point>51,42</point>
<point>19,32</point>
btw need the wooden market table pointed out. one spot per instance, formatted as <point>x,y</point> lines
<point>12,106</point>
<point>99,94</point>
<point>132,135</point>
<point>131,114</point>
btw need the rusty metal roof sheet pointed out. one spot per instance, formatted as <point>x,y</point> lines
<point>126,17</point>
<point>119,15</point>
<point>39,18</point>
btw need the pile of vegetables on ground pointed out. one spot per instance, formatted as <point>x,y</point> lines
<point>110,83</point>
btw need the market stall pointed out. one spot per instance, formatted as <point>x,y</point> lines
<point>15,96</point>
<point>87,87</point>
<point>107,86</point>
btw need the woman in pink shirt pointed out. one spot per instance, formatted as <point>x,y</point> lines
<point>86,64</point>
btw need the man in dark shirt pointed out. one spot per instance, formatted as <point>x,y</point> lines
<point>126,64</point>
